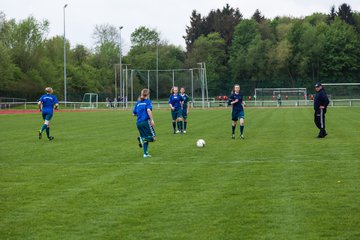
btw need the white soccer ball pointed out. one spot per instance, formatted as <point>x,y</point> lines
<point>200,143</point>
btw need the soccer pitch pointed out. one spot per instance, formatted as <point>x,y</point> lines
<point>92,182</point>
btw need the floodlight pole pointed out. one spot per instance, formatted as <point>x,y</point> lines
<point>192,87</point>
<point>65,98</point>
<point>125,85</point>
<point>157,70</point>
<point>115,81</point>
<point>202,83</point>
<point>120,61</point>
<point>205,82</point>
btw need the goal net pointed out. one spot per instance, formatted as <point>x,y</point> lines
<point>342,90</point>
<point>160,83</point>
<point>280,96</point>
<point>267,94</point>
<point>90,101</point>
<point>343,94</point>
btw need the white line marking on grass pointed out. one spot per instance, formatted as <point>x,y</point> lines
<point>258,161</point>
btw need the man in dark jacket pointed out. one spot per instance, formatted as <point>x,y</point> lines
<point>321,102</point>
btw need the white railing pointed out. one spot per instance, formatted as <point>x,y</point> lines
<point>194,104</point>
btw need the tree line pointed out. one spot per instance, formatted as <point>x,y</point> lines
<point>255,52</point>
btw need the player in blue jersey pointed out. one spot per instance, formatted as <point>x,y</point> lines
<point>237,103</point>
<point>47,103</point>
<point>145,121</point>
<point>175,103</point>
<point>185,107</point>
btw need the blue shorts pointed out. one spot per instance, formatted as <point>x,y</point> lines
<point>177,113</point>
<point>47,116</point>
<point>146,130</point>
<point>236,115</point>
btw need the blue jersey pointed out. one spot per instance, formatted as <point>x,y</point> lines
<point>140,110</point>
<point>48,101</point>
<point>175,101</point>
<point>236,106</point>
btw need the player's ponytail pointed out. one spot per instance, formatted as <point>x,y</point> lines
<point>144,93</point>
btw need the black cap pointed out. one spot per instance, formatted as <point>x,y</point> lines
<point>317,84</point>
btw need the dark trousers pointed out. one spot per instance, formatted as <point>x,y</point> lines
<point>319,119</point>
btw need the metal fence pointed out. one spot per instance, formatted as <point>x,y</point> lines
<point>194,104</point>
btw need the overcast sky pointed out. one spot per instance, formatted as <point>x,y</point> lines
<point>169,17</point>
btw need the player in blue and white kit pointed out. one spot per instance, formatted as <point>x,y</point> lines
<point>47,103</point>
<point>236,100</point>
<point>175,103</point>
<point>185,107</point>
<point>145,121</point>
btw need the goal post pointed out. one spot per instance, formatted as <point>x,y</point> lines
<point>161,81</point>
<point>342,90</point>
<point>343,94</point>
<point>264,94</point>
<point>280,96</point>
<point>90,101</point>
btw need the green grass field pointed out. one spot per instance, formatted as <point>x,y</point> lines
<point>92,182</point>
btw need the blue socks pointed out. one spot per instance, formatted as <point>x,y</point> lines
<point>242,130</point>
<point>48,132</point>
<point>146,146</point>
<point>44,126</point>
<point>179,125</point>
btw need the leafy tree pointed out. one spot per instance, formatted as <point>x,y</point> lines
<point>341,54</point>
<point>211,50</point>
<point>143,36</point>
<point>9,72</point>
<point>106,54</point>
<point>278,64</point>
<point>195,29</point>
<point>332,15</point>
<point>25,41</point>
<point>249,58</point>
<point>24,44</point>
<point>316,19</point>
<point>245,32</point>
<point>356,16</point>
<point>104,34</point>
<point>281,27</point>
<point>54,49</point>
<point>221,21</point>
<point>224,22</point>
<point>345,13</point>
<point>80,54</point>
<point>257,16</point>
